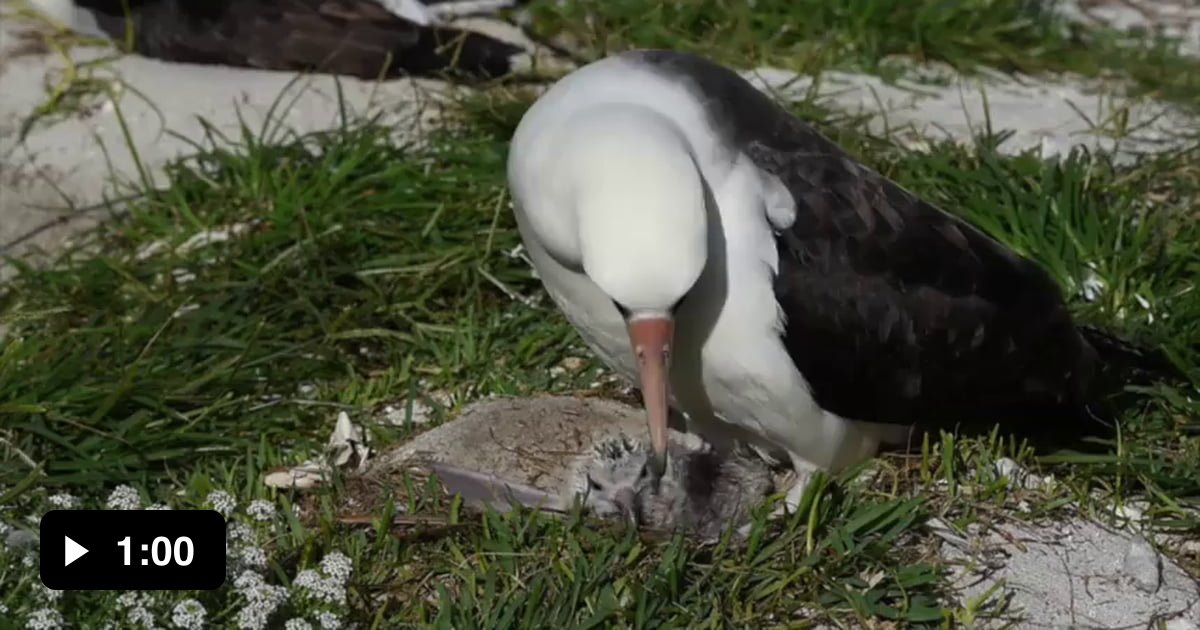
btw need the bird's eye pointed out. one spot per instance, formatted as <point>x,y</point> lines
<point>593,485</point>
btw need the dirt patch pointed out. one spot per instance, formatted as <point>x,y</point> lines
<point>1075,574</point>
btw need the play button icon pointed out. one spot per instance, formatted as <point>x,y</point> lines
<point>124,550</point>
<point>73,551</point>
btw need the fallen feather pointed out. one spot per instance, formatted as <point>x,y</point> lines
<point>347,443</point>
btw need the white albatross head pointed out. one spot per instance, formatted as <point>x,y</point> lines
<point>622,199</point>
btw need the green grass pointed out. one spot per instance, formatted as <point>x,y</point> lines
<point>368,272</point>
<point>878,36</point>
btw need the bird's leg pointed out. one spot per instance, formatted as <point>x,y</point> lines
<point>799,476</point>
<point>796,481</point>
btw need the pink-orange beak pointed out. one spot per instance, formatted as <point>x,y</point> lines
<point>651,339</point>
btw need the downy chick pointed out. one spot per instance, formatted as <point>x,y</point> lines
<point>703,492</point>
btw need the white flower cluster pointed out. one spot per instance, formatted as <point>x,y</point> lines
<point>253,557</point>
<point>261,510</point>
<point>262,600</point>
<point>64,501</point>
<point>241,547</point>
<point>297,624</point>
<point>44,619</point>
<point>158,506</point>
<point>124,497</point>
<point>328,585</point>
<point>189,614</point>
<point>137,608</point>
<point>320,588</point>
<point>222,502</point>
<point>239,532</point>
<point>48,595</point>
<point>337,565</point>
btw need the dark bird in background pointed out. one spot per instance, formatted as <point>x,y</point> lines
<point>358,38</point>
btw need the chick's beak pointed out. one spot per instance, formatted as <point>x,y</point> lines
<point>651,339</point>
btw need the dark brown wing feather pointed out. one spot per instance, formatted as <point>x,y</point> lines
<point>356,38</point>
<point>900,312</point>
<point>896,311</point>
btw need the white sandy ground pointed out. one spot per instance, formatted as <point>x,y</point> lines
<point>1051,117</point>
<point>1175,19</point>
<point>81,161</point>
<point>1074,574</point>
<point>1067,575</point>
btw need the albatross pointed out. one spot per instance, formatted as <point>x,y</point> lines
<point>359,38</point>
<point>746,271</point>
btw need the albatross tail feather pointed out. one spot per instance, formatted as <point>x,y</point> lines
<point>1129,362</point>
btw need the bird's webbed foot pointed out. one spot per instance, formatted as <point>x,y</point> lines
<point>796,481</point>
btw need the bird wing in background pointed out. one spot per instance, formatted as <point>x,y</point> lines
<point>359,38</point>
<point>478,489</point>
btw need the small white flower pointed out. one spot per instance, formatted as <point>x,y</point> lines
<point>134,599</point>
<point>48,594</point>
<point>248,584</point>
<point>124,498</point>
<point>44,619</point>
<point>240,532</point>
<point>261,600</point>
<point>27,561</point>
<point>329,621</point>
<point>222,502</point>
<point>188,614</point>
<point>338,566</point>
<point>140,616</point>
<point>3,609</point>
<point>253,618</point>
<point>63,501</point>
<point>4,528</point>
<point>323,589</point>
<point>307,579</point>
<point>261,510</point>
<point>158,506</point>
<point>253,557</point>
<point>297,624</point>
